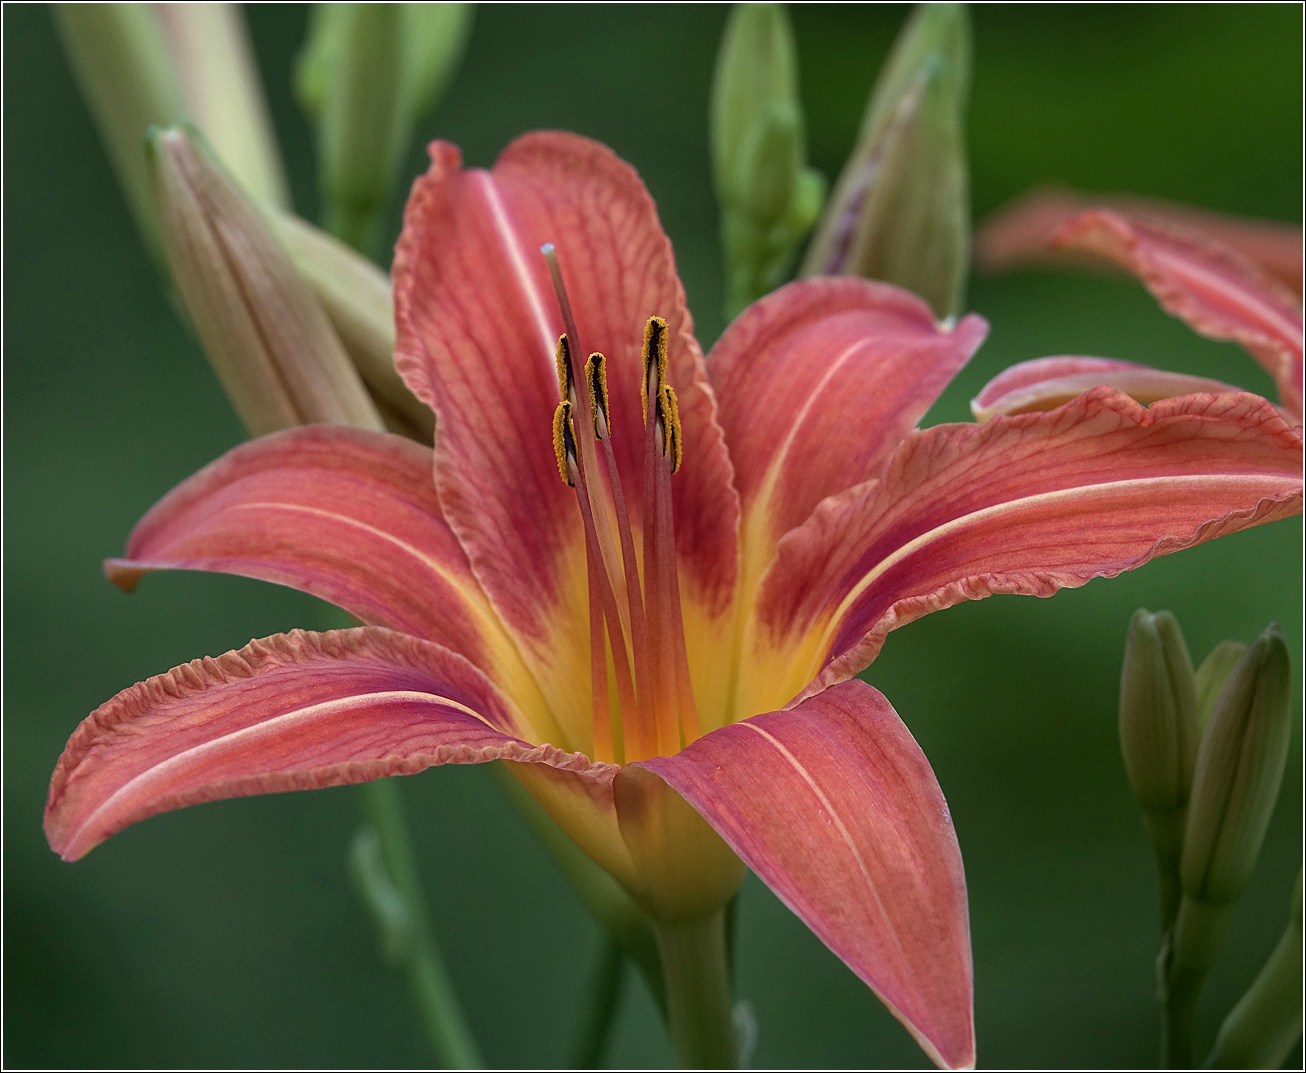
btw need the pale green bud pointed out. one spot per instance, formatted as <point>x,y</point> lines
<point>769,197</point>
<point>1158,738</point>
<point>1267,1022</point>
<point>356,296</point>
<point>1213,673</point>
<point>1239,767</point>
<point>1158,712</point>
<point>367,73</point>
<point>263,330</point>
<point>144,65</point>
<point>900,210</point>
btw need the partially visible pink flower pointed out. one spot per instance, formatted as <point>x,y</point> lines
<point>1019,233</point>
<point>1216,289</point>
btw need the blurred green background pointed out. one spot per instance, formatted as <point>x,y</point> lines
<point>228,935</point>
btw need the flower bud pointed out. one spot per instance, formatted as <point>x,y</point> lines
<point>356,296</point>
<point>265,334</point>
<point>367,73</point>
<point>143,65</point>
<point>769,197</point>
<point>1158,738</point>
<point>1158,712</point>
<point>1267,1022</point>
<point>1239,767</point>
<point>900,209</point>
<point>1213,673</point>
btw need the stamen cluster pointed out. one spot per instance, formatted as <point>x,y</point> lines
<point>643,700</point>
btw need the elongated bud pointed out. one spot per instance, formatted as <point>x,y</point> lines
<point>1267,1022</point>
<point>1239,768</point>
<point>367,73</point>
<point>144,65</point>
<point>265,334</point>
<point>1158,712</point>
<point>1158,738</point>
<point>1213,673</point>
<point>899,211</point>
<point>769,197</point>
<point>357,298</point>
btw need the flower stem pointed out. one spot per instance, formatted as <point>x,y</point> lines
<point>699,1005</point>
<point>601,1009</point>
<point>402,916</point>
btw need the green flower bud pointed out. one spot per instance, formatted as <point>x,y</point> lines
<point>900,211</point>
<point>1267,1022</point>
<point>356,296</point>
<point>769,198</point>
<point>1239,767</point>
<point>144,65</point>
<point>264,332</point>
<point>1158,738</point>
<point>1213,673</point>
<point>367,73</point>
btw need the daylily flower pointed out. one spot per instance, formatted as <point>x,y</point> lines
<point>1218,281</point>
<point>653,612</point>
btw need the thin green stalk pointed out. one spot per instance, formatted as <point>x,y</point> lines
<point>406,928</point>
<point>699,1005</point>
<point>601,1008</point>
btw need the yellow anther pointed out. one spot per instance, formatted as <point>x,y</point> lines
<point>564,446</point>
<point>596,375</point>
<point>669,419</point>
<point>655,352</point>
<point>563,358</point>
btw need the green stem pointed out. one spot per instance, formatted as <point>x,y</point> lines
<point>1187,954</point>
<point>699,1005</point>
<point>402,915</point>
<point>601,1009</point>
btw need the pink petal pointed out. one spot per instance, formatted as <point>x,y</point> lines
<point>1025,504</point>
<point>834,806</point>
<point>1046,383</point>
<point>295,711</point>
<point>1019,233</point>
<point>820,355</point>
<point>1215,290</point>
<point>477,327</point>
<point>350,516</point>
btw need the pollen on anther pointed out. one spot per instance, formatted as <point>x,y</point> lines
<point>596,375</point>
<point>563,358</point>
<point>564,447</point>
<point>669,416</point>
<point>655,351</point>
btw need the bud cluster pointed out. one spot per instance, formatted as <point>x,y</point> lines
<point>1205,753</point>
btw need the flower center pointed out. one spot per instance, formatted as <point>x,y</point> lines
<point>637,636</point>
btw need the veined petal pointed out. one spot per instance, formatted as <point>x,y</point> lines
<point>1026,504</point>
<point>350,516</point>
<point>1215,290</point>
<point>1019,233</point>
<point>818,355</point>
<point>1046,383</point>
<point>295,711</point>
<point>833,804</point>
<point>477,328</point>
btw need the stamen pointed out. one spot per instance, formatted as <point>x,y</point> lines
<point>565,374</point>
<point>655,362</point>
<point>596,375</point>
<point>564,445</point>
<point>669,421</point>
